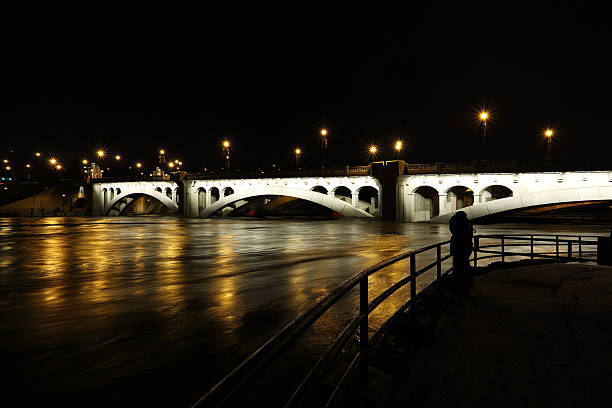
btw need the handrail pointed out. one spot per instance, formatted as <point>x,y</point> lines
<point>226,389</point>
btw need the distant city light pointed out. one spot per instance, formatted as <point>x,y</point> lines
<point>8,167</point>
<point>138,165</point>
<point>398,145</point>
<point>170,164</point>
<point>59,167</point>
<point>226,144</point>
<point>28,166</point>
<point>37,154</point>
<point>180,163</point>
<point>176,161</point>
<point>52,161</point>
<point>100,153</point>
<point>84,161</point>
<point>298,151</point>
<point>162,151</point>
<point>5,161</point>
<point>117,157</point>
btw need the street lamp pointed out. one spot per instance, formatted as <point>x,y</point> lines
<point>226,154</point>
<point>398,147</point>
<point>84,161</point>
<point>548,134</point>
<point>324,148</point>
<point>100,153</point>
<point>373,152</point>
<point>484,116</point>
<point>162,156</point>
<point>52,161</point>
<point>298,152</point>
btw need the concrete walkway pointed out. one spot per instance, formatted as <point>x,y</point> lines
<point>526,336</point>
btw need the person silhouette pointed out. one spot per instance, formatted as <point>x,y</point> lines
<point>460,248</point>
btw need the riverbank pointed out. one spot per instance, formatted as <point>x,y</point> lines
<point>525,335</point>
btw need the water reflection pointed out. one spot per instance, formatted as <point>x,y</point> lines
<point>160,308</point>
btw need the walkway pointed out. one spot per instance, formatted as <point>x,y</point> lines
<point>528,335</point>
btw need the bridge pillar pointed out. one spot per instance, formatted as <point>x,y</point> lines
<point>442,204</point>
<point>355,200</point>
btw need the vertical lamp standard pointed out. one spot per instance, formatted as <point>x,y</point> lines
<point>162,157</point>
<point>484,116</point>
<point>297,152</point>
<point>398,147</point>
<point>324,148</point>
<point>548,134</point>
<point>226,154</point>
<point>372,152</point>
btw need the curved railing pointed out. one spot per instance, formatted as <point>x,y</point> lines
<point>226,390</point>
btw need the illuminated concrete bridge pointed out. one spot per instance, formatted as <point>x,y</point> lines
<point>435,197</point>
<point>351,196</point>
<point>391,192</point>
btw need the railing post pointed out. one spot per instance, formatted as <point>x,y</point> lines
<point>363,328</point>
<point>532,247</point>
<point>557,246</point>
<point>569,249</point>
<point>439,262</point>
<point>502,254</point>
<point>476,245</point>
<point>412,285</point>
<point>580,248</point>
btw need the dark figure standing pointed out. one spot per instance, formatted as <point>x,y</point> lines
<point>460,248</point>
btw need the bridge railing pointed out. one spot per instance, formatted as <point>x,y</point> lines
<point>509,247</point>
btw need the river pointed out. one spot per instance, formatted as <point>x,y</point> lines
<point>155,310</point>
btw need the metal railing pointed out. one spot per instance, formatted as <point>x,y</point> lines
<point>226,390</point>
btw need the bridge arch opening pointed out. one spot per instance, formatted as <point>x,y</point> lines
<point>175,195</point>
<point>214,195</point>
<point>426,203</point>
<point>227,191</point>
<point>458,197</point>
<point>105,197</point>
<point>494,192</point>
<point>112,193</point>
<point>158,189</point>
<point>169,192</point>
<point>368,199</point>
<point>138,204</point>
<point>319,189</point>
<point>118,191</point>
<point>201,199</point>
<point>343,193</point>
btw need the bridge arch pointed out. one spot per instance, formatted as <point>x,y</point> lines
<point>494,192</point>
<point>117,191</point>
<point>214,195</point>
<point>227,191</point>
<point>459,196</point>
<point>368,195</point>
<point>325,200</point>
<point>158,189</point>
<point>201,199</point>
<point>319,189</point>
<point>426,203</point>
<point>343,193</point>
<point>119,204</point>
<point>168,192</point>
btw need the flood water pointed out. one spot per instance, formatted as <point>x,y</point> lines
<point>155,310</point>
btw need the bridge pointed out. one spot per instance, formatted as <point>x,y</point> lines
<point>428,194</point>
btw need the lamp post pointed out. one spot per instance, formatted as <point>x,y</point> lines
<point>226,154</point>
<point>162,157</point>
<point>324,148</point>
<point>484,116</point>
<point>398,147</point>
<point>372,152</point>
<point>297,152</point>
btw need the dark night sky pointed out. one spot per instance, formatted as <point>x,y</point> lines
<point>268,78</point>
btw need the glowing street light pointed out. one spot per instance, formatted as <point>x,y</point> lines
<point>5,161</point>
<point>171,164</point>
<point>100,153</point>
<point>484,116</point>
<point>117,157</point>
<point>139,165</point>
<point>84,161</point>
<point>37,154</point>
<point>8,167</point>
<point>297,152</point>
<point>373,151</point>
<point>59,167</point>
<point>52,161</point>
<point>548,134</point>
<point>226,154</point>
<point>398,147</point>
<point>324,148</point>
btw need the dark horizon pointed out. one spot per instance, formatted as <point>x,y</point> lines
<point>268,80</point>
